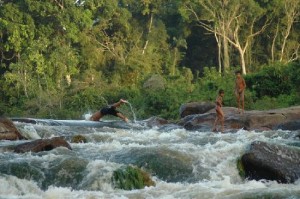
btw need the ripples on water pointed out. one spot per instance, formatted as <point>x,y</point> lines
<point>212,156</point>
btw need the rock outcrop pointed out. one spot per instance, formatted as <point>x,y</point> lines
<point>8,131</point>
<point>285,118</point>
<point>42,145</point>
<point>195,108</point>
<point>272,162</point>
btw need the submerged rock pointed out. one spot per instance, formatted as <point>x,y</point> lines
<point>272,162</point>
<point>69,172</point>
<point>61,172</point>
<point>79,139</point>
<point>168,165</point>
<point>42,145</point>
<point>8,131</point>
<point>156,121</point>
<point>129,178</point>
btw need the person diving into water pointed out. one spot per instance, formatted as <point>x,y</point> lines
<point>110,110</point>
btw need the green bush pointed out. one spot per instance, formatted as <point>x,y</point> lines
<point>270,81</point>
<point>282,101</point>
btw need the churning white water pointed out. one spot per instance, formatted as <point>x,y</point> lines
<point>211,156</point>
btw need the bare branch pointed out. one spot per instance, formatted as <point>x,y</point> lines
<point>59,3</point>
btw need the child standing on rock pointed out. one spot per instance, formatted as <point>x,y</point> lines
<point>219,111</point>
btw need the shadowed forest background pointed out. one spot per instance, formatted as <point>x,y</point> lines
<point>63,58</point>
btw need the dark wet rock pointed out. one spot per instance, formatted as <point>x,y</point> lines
<point>61,172</point>
<point>156,121</point>
<point>8,131</point>
<point>291,125</point>
<point>48,122</point>
<point>169,127</point>
<point>79,139</point>
<point>67,172</point>
<point>129,178</point>
<point>250,120</point>
<point>193,108</point>
<point>272,162</point>
<point>298,136</point>
<point>23,169</point>
<point>42,145</point>
<point>168,165</point>
<point>199,121</point>
<point>75,123</point>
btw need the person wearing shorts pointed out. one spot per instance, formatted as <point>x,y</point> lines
<point>110,110</point>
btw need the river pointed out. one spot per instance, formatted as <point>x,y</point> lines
<point>211,172</point>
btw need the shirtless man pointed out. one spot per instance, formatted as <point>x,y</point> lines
<point>219,111</point>
<point>110,110</point>
<point>240,86</point>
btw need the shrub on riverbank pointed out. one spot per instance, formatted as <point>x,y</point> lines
<point>274,86</point>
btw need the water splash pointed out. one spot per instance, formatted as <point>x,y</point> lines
<point>133,113</point>
<point>87,116</point>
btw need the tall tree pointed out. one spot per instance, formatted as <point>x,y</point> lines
<point>285,46</point>
<point>234,21</point>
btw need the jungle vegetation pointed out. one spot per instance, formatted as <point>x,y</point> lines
<point>62,58</point>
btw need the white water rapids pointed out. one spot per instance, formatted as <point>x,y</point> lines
<point>213,155</point>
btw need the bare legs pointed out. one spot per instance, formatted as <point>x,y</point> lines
<point>240,101</point>
<point>219,119</point>
<point>120,115</point>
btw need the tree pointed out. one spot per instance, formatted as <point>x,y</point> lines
<point>236,22</point>
<point>286,14</point>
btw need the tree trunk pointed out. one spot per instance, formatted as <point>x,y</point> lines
<point>243,62</point>
<point>226,61</point>
<point>273,43</point>
<point>149,30</point>
<point>219,43</point>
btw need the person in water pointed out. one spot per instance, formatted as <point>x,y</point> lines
<point>219,111</point>
<point>110,110</point>
<point>240,86</point>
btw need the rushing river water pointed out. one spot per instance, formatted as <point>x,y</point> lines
<point>210,172</point>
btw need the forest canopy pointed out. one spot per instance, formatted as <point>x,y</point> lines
<point>64,58</point>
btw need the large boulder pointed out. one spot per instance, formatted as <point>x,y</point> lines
<point>272,162</point>
<point>166,164</point>
<point>195,108</point>
<point>198,122</point>
<point>8,131</point>
<point>285,118</point>
<point>42,145</point>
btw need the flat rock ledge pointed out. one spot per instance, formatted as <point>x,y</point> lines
<point>285,119</point>
<point>272,162</point>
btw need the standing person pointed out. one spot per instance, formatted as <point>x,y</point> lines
<point>240,86</point>
<point>219,111</point>
<point>110,110</point>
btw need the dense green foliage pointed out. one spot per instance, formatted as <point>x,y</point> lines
<point>64,58</point>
